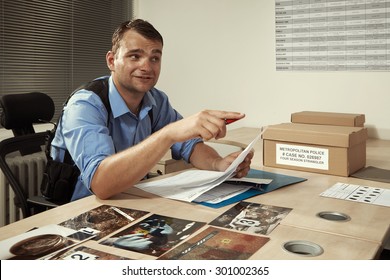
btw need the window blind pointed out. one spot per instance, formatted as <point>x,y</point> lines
<point>53,46</point>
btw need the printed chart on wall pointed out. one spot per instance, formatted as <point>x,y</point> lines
<point>332,35</point>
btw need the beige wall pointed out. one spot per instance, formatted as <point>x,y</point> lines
<point>220,54</point>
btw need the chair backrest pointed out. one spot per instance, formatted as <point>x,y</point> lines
<point>19,112</point>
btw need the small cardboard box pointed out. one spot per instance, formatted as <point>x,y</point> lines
<point>327,118</point>
<point>335,150</point>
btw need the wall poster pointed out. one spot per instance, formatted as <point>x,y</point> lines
<point>332,35</point>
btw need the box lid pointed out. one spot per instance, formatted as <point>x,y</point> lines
<point>328,118</point>
<point>326,135</point>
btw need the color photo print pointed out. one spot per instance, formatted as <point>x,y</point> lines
<point>104,220</point>
<point>154,235</point>
<point>252,217</point>
<point>217,244</point>
<point>44,242</point>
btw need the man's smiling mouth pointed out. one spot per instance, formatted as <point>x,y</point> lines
<point>144,77</point>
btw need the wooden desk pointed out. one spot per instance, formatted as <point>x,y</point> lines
<point>334,246</point>
<point>360,238</point>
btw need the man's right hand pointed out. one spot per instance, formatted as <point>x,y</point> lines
<point>207,124</point>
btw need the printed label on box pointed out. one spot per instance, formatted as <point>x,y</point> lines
<point>302,156</point>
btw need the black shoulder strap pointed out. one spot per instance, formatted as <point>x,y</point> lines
<point>99,87</point>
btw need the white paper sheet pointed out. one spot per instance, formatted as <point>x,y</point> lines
<point>258,181</point>
<point>190,184</point>
<point>222,192</point>
<point>357,193</point>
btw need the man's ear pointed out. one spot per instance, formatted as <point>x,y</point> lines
<point>110,58</point>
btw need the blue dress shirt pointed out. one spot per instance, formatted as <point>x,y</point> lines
<point>84,132</point>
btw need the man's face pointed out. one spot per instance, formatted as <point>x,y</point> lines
<point>136,65</point>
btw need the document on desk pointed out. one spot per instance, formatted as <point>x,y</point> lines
<point>358,193</point>
<point>188,185</point>
<point>231,188</point>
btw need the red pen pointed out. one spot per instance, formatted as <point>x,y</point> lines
<point>229,121</point>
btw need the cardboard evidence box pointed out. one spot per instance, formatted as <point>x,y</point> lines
<point>335,150</point>
<point>328,118</point>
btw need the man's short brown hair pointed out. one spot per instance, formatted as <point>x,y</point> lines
<point>142,27</point>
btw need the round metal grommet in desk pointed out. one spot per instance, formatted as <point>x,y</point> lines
<point>303,248</point>
<point>334,216</point>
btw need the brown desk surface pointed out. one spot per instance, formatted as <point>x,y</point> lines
<point>359,238</point>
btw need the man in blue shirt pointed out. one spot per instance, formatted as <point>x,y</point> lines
<point>116,154</point>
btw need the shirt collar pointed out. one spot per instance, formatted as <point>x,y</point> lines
<point>119,107</point>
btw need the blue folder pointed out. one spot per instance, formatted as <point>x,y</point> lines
<point>278,181</point>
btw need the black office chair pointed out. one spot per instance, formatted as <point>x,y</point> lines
<point>18,112</point>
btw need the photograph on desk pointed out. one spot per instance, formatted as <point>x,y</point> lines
<point>217,244</point>
<point>154,235</point>
<point>252,217</point>
<point>83,253</point>
<point>104,220</point>
<point>42,243</point>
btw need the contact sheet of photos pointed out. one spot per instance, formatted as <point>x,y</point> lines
<point>114,233</point>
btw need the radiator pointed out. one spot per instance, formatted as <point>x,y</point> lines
<point>28,170</point>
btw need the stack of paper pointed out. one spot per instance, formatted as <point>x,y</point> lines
<point>231,188</point>
<point>189,185</point>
